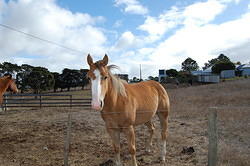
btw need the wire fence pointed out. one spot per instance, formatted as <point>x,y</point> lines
<point>65,100</point>
<point>44,100</point>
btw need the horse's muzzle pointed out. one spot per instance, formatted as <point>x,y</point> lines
<point>97,106</point>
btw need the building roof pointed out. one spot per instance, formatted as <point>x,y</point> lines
<point>208,70</point>
<point>244,66</point>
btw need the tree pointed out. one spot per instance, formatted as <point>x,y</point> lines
<point>172,73</point>
<point>57,80</point>
<point>218,67</point>
<point>83,79</point>
<point>189,65</point>
<point>40,79</point>
<point>153,78</point>
<point>10,68</point>
<point>22,77</point>
<point>150,78</point>
<point>1,70</point>
<point>135,79</point>
<point>220,58</point>
<point>70,78</point>
<point>238,63</point>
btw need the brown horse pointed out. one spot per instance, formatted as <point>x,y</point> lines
<point>6,83</point>
<point>124,106</point>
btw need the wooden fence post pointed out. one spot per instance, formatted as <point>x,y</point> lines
<point>70,101</point>
<point>212,133</point>
<point>5,102</point>
<point>67,142</point>
<point>40,99</point>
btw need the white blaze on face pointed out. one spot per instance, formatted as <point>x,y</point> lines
<point>97,98</point>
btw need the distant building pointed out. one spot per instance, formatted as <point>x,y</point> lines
<point>244,69</point>
<point>123,76</point>
<point>227,74</point>
<point>162,74</point>
<point>206,76</point>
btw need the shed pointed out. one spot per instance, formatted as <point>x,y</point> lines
<point>206,76</point>
<point>227,74</point>
<point>209,78</point>
<point>244,69</point>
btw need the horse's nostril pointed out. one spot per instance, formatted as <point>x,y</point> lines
<point>101,104</point>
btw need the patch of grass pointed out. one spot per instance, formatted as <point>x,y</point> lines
<point>36,137</point>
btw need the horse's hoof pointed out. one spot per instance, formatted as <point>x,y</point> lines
<point>163,164</point>
<point>148,151</point>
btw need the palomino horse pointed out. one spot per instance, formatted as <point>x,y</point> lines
<point>124,106</point>
<point>6,83</point>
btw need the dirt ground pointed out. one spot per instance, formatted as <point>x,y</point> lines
<point>35,137</point>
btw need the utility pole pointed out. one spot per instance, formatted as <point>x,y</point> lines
<point>140,73</point>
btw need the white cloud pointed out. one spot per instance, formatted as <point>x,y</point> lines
<point>118,24</point>
<point>239,53</point>
<point>228,1</point>
<point>156,27</point>
<point>204,42</point>
<point>197,14</point>
<point>197,37</point>
<point>202,12</point>
<point>132,6</point>
<point>1,4</point>
<point>127,41</point>
<point>51,22</point>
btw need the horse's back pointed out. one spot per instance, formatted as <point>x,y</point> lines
<point>149,96</point>
<point>148,90</point>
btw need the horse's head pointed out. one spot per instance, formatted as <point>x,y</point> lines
<point>99,76</point>
<point>11,85</point>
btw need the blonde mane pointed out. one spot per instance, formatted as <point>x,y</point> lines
<point>118,83</point>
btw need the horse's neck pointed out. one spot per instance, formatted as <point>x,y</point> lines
<point>111,95</point>
<point>3,85</point>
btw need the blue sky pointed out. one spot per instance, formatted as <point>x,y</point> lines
<point>155,33</point>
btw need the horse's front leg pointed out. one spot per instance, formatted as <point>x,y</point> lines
<point>130,133</point>
<point>115,136</point>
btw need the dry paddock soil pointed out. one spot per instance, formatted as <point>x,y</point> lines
<point>35,137</point>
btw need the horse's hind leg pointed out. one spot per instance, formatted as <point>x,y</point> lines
<point>151,129</point>
<point>163,117</point>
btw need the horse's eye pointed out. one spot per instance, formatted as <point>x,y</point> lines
<point>104,77</point>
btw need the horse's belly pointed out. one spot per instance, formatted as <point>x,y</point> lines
<point>145,112</point>
<point>143,116</point>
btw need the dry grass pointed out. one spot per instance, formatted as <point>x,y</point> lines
<point>36,137</point>
<point>233,101</point>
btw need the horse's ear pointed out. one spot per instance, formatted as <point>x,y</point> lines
<point>105,60</point>
<point>90,60</point>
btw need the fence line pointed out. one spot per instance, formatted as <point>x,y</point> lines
<point>42,100</point>
<point>67,141</point>
<point>212,137</point>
